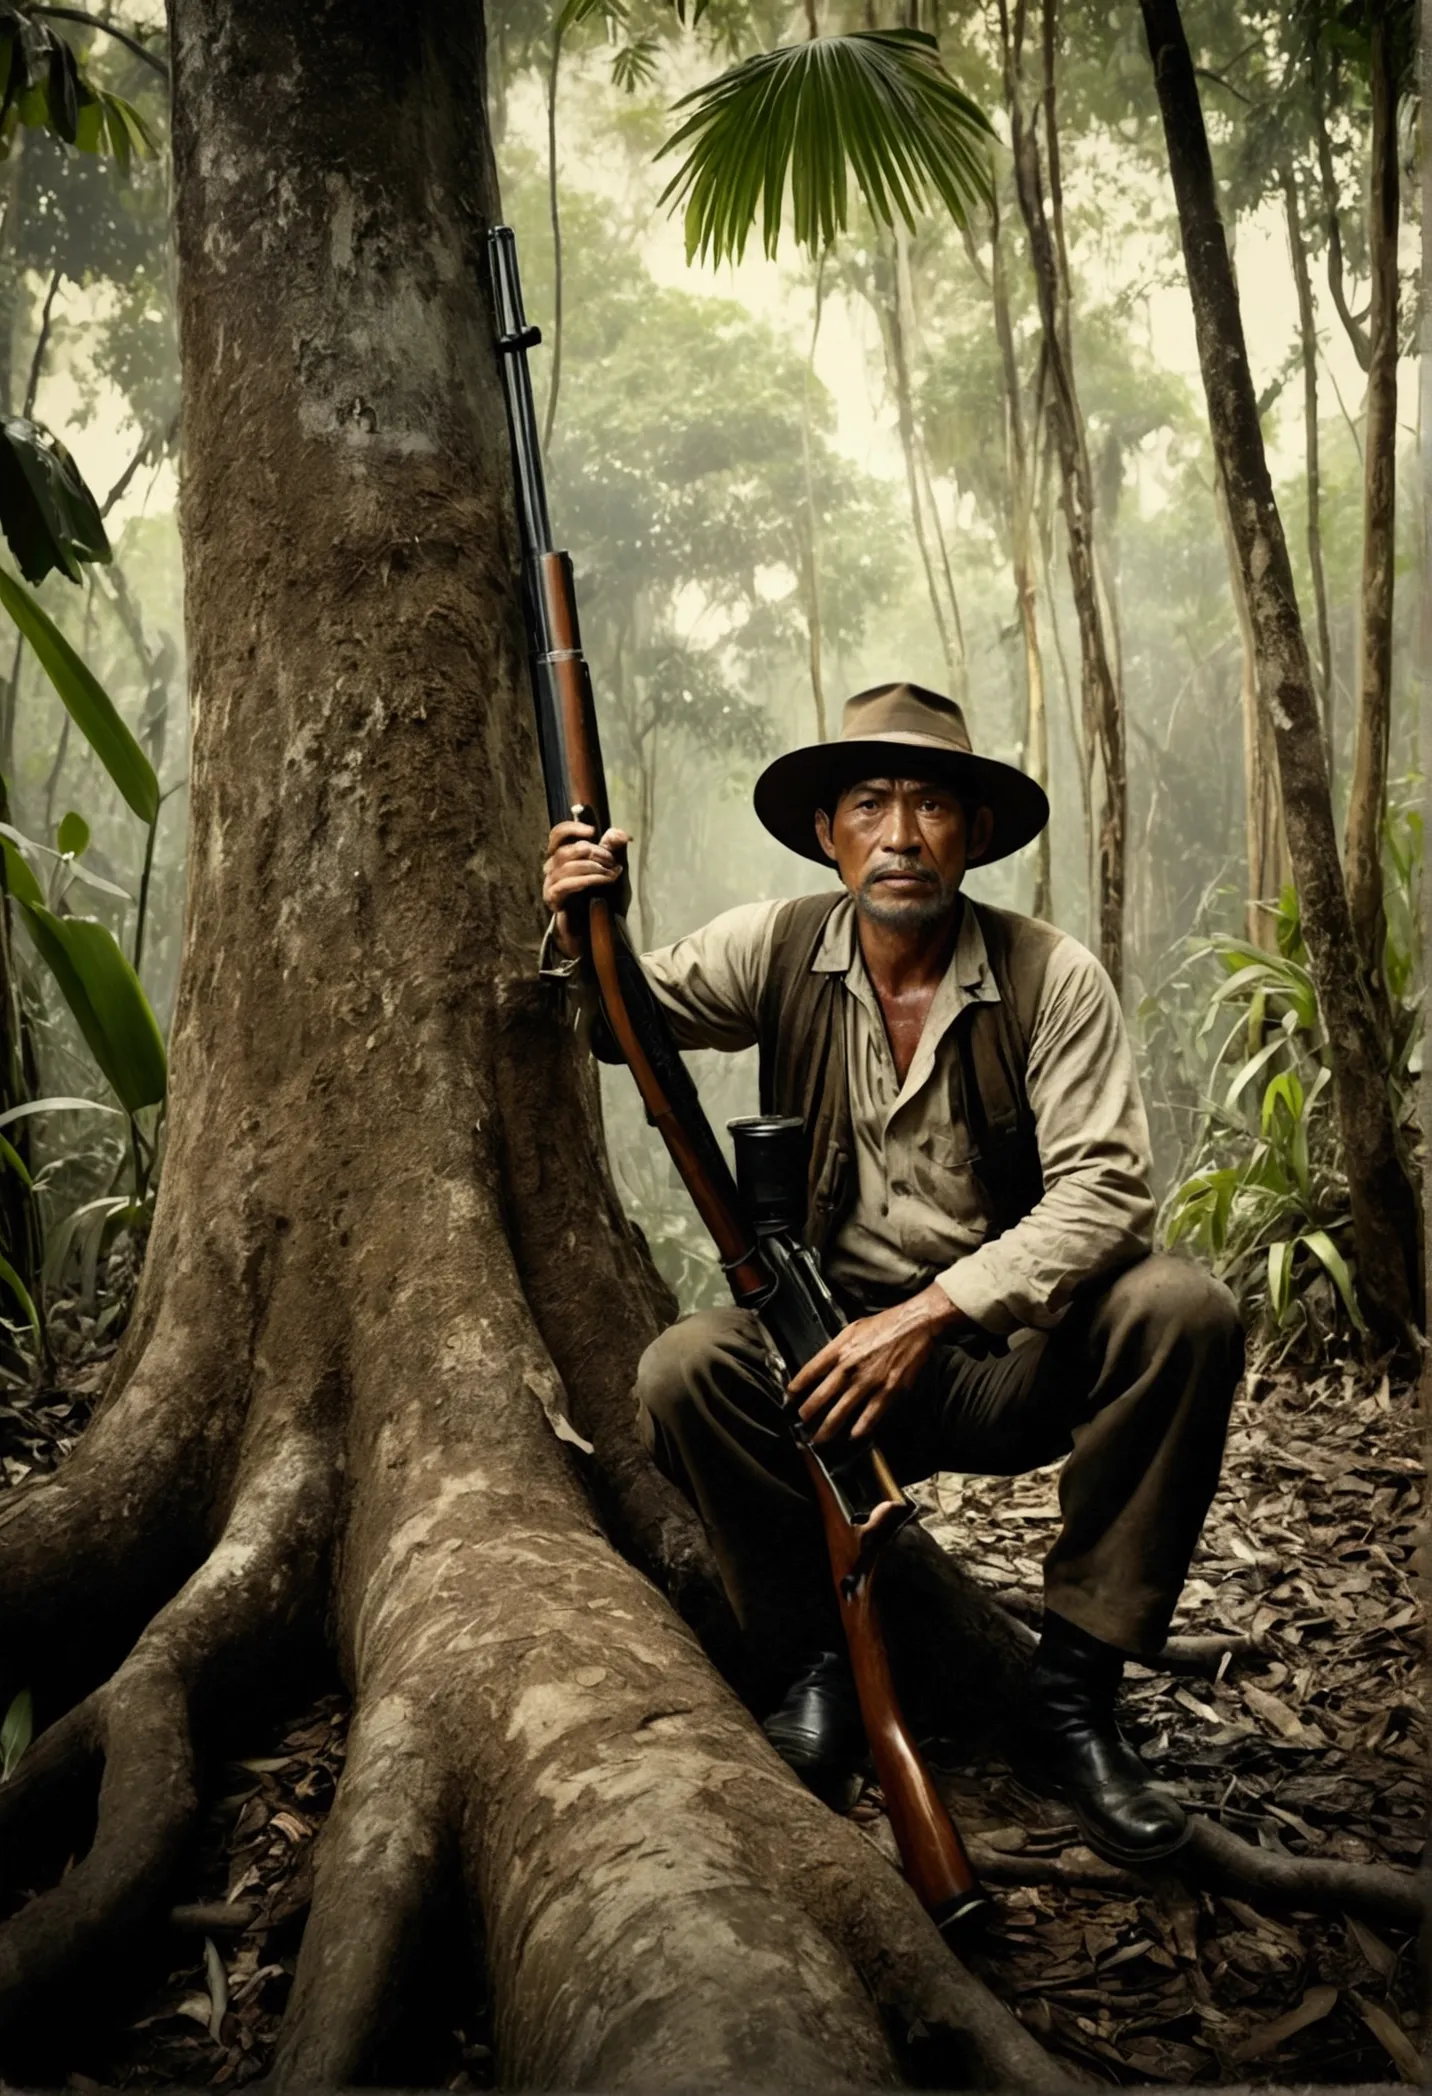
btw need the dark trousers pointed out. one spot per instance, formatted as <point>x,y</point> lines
<point>1132,1390</point>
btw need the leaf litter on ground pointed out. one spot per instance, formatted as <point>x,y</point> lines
<point>1311,1739</point>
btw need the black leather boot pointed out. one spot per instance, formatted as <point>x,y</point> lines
<point>1073,1751</point>
<point>816,1728</point>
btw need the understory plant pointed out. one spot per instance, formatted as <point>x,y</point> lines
<point>1263,1191</point>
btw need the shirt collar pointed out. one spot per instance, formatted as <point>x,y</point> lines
<point>969,971</point>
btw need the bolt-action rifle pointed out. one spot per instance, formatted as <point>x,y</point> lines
<point>754,1217</point>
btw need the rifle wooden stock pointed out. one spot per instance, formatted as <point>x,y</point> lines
<point>934,1858</point>
<point>777,1280</point>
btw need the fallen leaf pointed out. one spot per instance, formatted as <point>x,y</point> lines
<point>1392,2038</point>
<point>1379,1955</point>
<point>1273,1711</point>
<point>1267,2037</point>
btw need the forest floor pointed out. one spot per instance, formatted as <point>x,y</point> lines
<point>1304,1733</point>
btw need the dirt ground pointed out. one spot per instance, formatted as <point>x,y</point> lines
<point>1301,1730</point>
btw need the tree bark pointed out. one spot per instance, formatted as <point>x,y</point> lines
<point>1020,471</point>
<point>385,1243</point>
<point>1384,1212</point>
<point>1262,816</point>
<point>1332,210</point>
<point>808,550</point>
<point>554,213</point>
<point>1308,345</point>
<point>1102,699</point>
<point>890,311</point>
<point>1368,801</point>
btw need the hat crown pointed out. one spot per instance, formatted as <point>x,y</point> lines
<point>905,712</point>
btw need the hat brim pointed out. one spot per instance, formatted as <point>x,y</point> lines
<point>789,791</point>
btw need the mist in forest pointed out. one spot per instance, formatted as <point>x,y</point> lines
<point>789,479</point>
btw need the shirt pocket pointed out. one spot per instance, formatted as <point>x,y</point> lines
<point>944,1179</point>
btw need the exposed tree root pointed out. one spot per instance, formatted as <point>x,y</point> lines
<point>146,1810</point>
<point>1221,1862</point>
<point>381,1853</point>
<point>1077,1867</point>
<point>87,1555</point>
<point>259,1573</point>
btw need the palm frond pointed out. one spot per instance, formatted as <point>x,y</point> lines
<point>880,101</point>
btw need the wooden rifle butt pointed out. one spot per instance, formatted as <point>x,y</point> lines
<point>934,1859</point>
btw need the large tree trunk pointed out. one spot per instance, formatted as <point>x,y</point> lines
<point>1368,800</point>
<point>385,1241</point>
<point>1103,701</point>
<point>1384,1211</point>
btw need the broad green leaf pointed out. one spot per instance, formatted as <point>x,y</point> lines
<point>1322,1247</point>
<point>1286,1089</point>
<point>140,135</point>
<point>76,872</point>
<point>16,1732</point>
<point>879,102</point>
<point>90,129</point>
<point>20,878</point>
<point>1251,1068</point>
<point>47,513</point>
<point>86,1225</point>
<point>26,1301</point>
<point>73,834</point>
<point>117,131</point>
<point>1280,1277</point>
<point>104,993</point>
<point>10,1156</point>
<point>86,700</point>
<point>55,1103</point>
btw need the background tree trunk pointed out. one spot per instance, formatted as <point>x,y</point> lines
<point>1020,466</point>
<point>1308,348</point>
<point>385,1241</point>
<point>1384,1211</point>
<point>1368,801</point>
<point>1103,705</point>
<point>889,297</point>
<point>1262,815</point>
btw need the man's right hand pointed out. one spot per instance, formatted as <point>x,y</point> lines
<point>577,862</point>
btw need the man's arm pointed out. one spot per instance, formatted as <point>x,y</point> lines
<point>1097,1212</point>
<point>708,983</point>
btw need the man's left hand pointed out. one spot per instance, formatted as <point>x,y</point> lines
<point>851,1384</point>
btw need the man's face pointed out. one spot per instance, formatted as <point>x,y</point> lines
<point>901,847</point>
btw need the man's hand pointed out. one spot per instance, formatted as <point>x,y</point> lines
<point>851,1384</point>
<point>578,861</point>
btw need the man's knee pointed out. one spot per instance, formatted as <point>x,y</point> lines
<point>1173,1303</point>
<point>689,1360</point>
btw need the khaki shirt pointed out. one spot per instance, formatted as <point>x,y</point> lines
<point>918,1215</point>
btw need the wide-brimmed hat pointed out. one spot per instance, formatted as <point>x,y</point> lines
<point>892,731</point>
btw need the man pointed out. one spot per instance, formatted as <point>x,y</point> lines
<point>979,1197</point>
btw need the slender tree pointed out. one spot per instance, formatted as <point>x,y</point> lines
<point>1367,803</point>
<point>1020,472</point>
<point>1103,718</point>
<point>1384,1211</point>
<point>1308,351</point>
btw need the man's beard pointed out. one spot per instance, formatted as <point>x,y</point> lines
<point>905,912</point>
